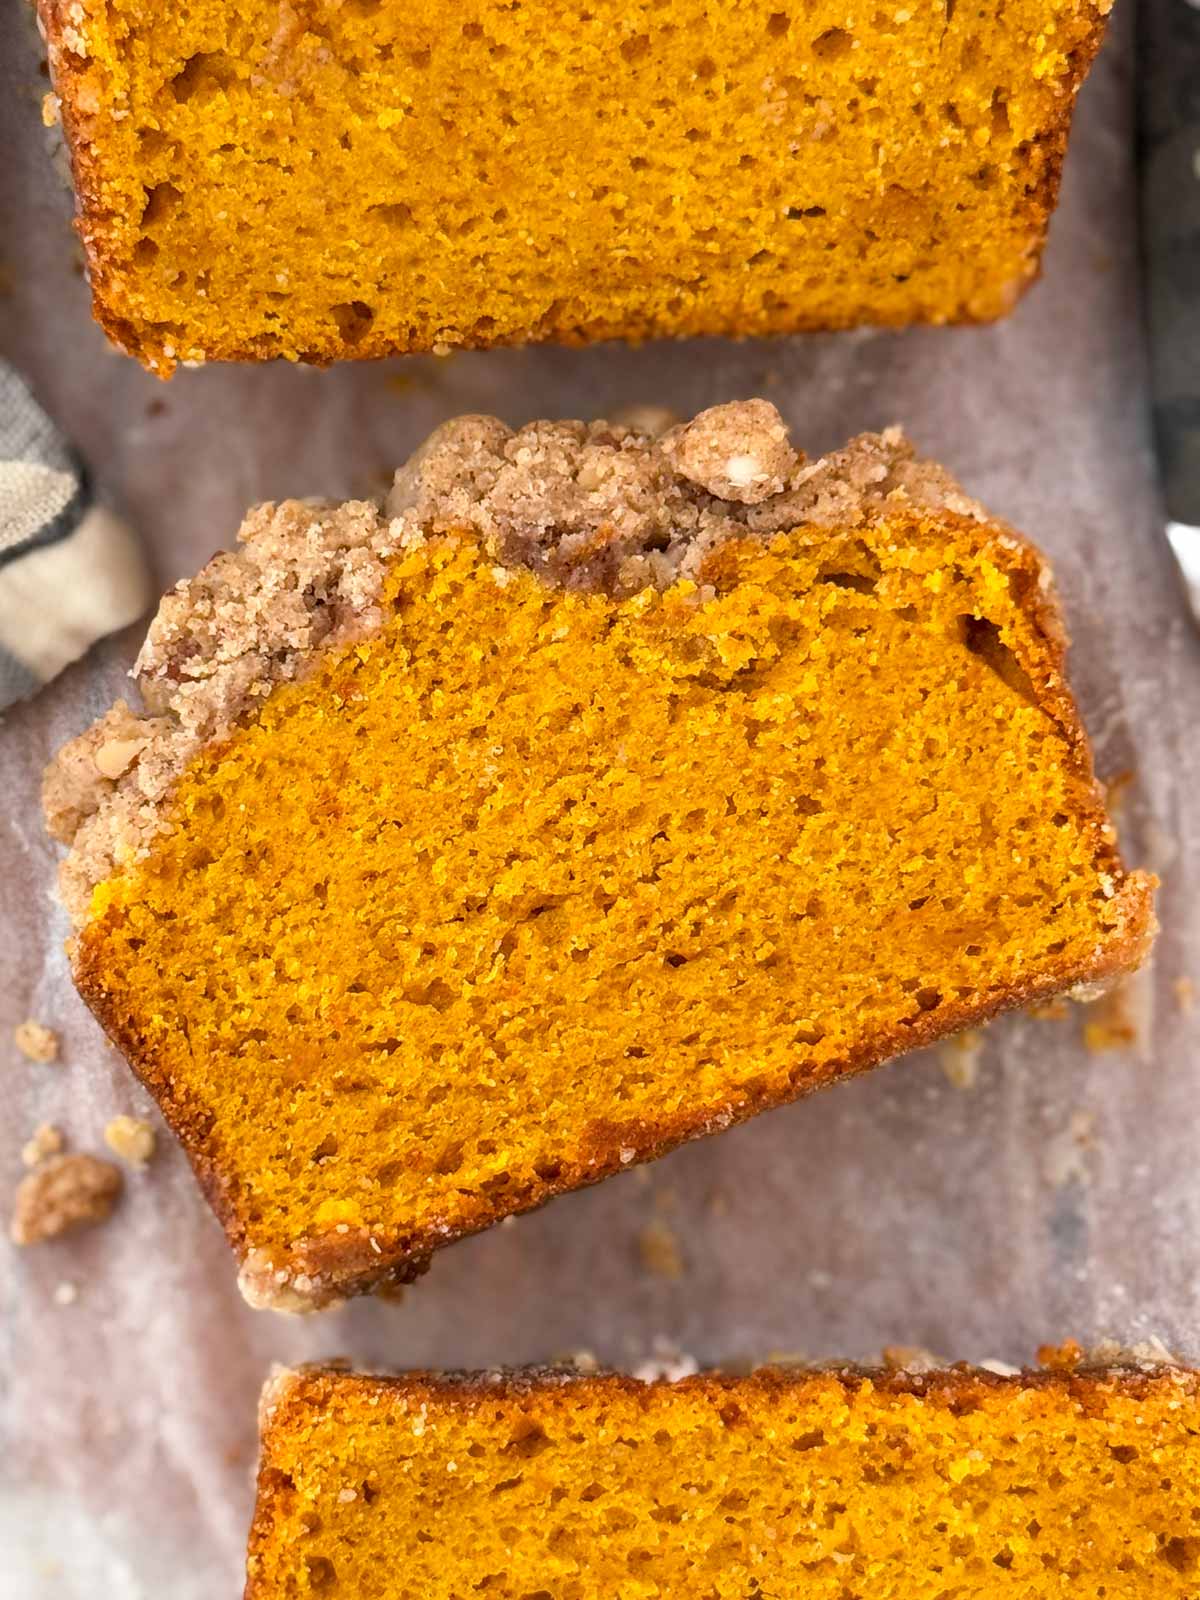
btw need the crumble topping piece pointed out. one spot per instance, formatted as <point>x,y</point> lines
<point>36,1042</point>
<point>736,452</point>
<point>64,1192</point>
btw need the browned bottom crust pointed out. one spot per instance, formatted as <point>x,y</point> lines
<point>325,1271</point>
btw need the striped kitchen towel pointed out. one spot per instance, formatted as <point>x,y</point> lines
<point>70,571</point>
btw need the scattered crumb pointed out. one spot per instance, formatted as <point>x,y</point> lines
<point>131,1139</point>
<point>65,1293</point>
<point>1066,1154</point>
<point>1116,793</point>
<point>36,1042</point>
<point>666,1363</point>
<point>65,1191</point>
<point>1063,1357</point>
<point>651,419</point>
<point>659,1250</point>
<point>1001,1369</point>
<point>787,1358</point>
<point>718,1203</point>
<point>1110,1022</point>
<point>1184,991</point>
<point>819,1280</point>
<point>910,1358</point>
<point>1160,849</point>
<point>46,1140</point>
<point>1056,1010</point>
<point>959,1057</point>
<point>1151,1352</point>
<point>584,1362</point>
<point>50,111</point>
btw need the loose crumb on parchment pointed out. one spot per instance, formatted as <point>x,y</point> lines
<point>959,1057</point>
<point>35,1041</point>
<point>659,1252</point>
<point>46,1140</point>
<point>62,1193</point>
<point>130,1138</point>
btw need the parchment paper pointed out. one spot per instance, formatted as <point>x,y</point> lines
<point>1058,1196</point>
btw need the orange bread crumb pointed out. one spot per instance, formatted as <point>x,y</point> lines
<point>524,876</point>
<point>361,178</point>
<point>822,1484</point>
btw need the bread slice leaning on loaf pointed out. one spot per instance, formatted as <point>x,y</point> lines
<point>603,789</point>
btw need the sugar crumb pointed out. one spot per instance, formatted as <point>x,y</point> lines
<point>910,1358</point>
<point>651,420</point>
<point>45,1141</point>
<point>130,1138</point>
<point>667,1364</point>
<point>36,1042</point>
<point>1056,1010</point>
<point>1067,1152</point>
<point>659,1252</point>
<point>959,1058</point>
<point>1111,1022</point>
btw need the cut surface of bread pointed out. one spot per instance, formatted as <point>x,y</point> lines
<point>471,854</point>
<point>826,1484</point>
<point>362,177</point>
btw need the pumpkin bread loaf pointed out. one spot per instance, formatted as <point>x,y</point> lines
<point>834,1484</point>
<point>363,177</point>
<point>600,791</point>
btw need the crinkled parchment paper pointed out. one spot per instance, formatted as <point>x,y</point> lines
<point>1058,1195</point>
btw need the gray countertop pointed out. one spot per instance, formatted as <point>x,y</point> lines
<point>1057,1196</point>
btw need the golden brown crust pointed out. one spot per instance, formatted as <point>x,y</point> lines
<point>292,1390</point>
<point>59,22</point>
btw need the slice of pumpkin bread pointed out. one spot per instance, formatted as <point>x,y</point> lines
<point>599,792</point>
<point>827,1484</point>
<point>350,178</point>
